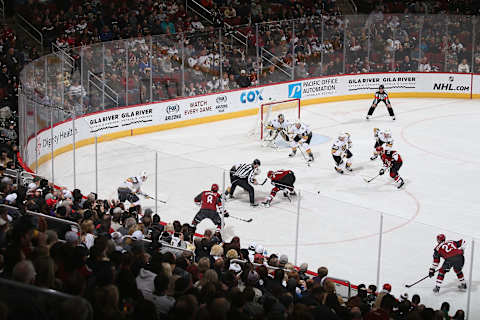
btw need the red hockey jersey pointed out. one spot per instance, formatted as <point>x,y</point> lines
<point>209,200</point>
<point>390,157</point>
<point>279,174</point>
<point>447,250</point>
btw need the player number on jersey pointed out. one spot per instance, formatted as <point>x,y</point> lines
<point>449,247</point>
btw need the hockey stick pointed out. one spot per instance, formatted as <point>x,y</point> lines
<point>370,180</point>
<point>418,281</point>
<point>152,198</point>
<point>304,158</point>
<point>261,184</point>
<point>241,219</point>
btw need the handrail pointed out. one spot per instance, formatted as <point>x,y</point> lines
<point>35,30</point>
<point>272,56</point>
<point>169,246</point>
<point>198,5</point>
<point>259,264</point>
<point>27,287</point>
<point>337,281</point>
<point>38,214</point>
<point>2,4</point>
<point>114,96</point>
<point>70,60</point>
<point>198,13</point>
<point>354,6</point>
<point>12,173</point>
<point>30,175</point>
<point>42,300</point>
<point>54,219</point>
<point>233,35</point>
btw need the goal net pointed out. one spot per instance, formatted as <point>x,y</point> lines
<point>290,108</point>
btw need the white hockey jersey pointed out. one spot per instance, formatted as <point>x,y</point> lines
<point>385,138</point>
<point>275,124</point>
<point>133,183</point>
<point>303,131</point>
<point>340,147</point>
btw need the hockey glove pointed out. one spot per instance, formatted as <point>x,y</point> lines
<point>382,171</point>
<point>431,272</point>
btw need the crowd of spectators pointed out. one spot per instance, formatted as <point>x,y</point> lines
<point>129,265</point>
<point>11,64</point>
<point>174,52</point>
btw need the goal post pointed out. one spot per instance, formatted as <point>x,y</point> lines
<point>290,108</point>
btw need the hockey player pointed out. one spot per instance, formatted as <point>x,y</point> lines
<point>381,95</point>
<point>452,252</point>
<point>301,136</point>
<point>277,126</point>
<point>382,137</point>
<point>341,149</point>
<point>281,180</point>
<point>131,187</point>
<point>393,161</point>
<point>244,176</point>
<point>210,200</point>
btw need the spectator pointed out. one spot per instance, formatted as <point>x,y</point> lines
<point>243,81</point>
<point>230,12</point>
<point>302,271</point>
<point>406,65</point>
<point>445,309</point>
<point>385,309</point>
<point>459,315</point>
<point>167,26</point>
<point>386,289</point>
<point>322,273</point>
<point>463,67</point>
<point>24,272</point>
<point>424,66</point>
<point>163,303</point>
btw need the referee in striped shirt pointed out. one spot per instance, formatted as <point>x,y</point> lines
<point>243,175</point>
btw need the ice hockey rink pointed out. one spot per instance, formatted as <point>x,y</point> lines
<point>340,215</point>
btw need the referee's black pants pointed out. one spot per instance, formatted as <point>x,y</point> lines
<point>243,183</point>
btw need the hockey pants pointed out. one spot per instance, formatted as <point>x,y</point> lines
<point>242,182</point>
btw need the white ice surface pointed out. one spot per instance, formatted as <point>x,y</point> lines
<point>438,140</point>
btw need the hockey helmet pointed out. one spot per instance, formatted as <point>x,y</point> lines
<point>256,162</point>
<point>441,238</point>
<point>387,133</point>
<point>387,287</point>
<point>379,150</point>
<point>381,86</point>
<point>270,174</point>
<point>281,116</point>
<point>214,187</point>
